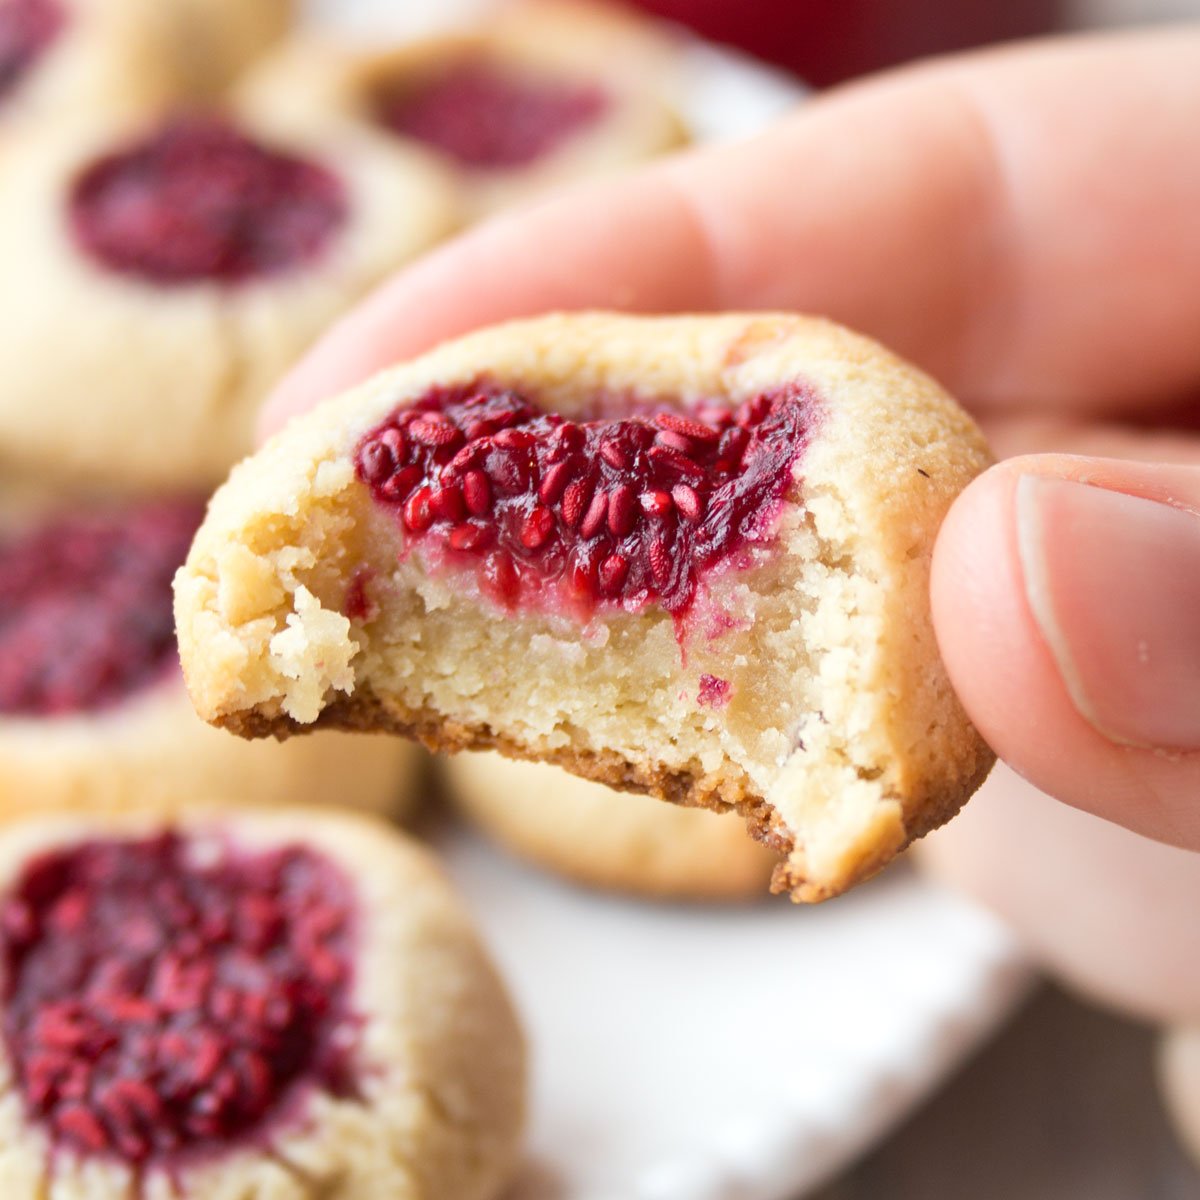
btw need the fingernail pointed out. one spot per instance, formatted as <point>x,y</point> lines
<point>1113,582</point>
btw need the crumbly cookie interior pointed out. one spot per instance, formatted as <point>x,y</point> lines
<point>802,687</point>
<point>618,699</point>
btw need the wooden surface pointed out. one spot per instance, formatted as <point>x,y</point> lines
<point>1062,1106</point>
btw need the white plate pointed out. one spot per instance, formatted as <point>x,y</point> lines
<point>729,1053</point>
<point>720,1053</point>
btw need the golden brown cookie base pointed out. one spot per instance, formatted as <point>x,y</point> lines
<point>367,713</point>
<point>596,837</point>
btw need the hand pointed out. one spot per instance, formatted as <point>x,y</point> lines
<point>1025,224</point>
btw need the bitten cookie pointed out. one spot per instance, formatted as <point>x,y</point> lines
<point>93,713</point>
<point>60,58</point>
<point>608,839</point>
<point>282,1005</point>
<point>159,278</point>
<point>682,555</point>
<point>526,101</point>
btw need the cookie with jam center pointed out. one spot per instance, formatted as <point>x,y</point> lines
<point>93,713</point>
<point>164,272</point>
<point>682,555</point>
<point>527,100</point>
<point>255,1004</point>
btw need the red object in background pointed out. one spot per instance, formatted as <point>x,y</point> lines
<point>826,41</point>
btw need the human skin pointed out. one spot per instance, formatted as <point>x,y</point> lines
<point>1025,225</point>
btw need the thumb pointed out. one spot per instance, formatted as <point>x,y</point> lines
<point>1066,596</point>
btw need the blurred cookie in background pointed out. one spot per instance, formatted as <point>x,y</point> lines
<point>219,39</point>
<point>160,275</point>
<point>525,100</point>
<point>93,713</point>
<point>286,1004</point>
<point>1179,1077</point>
<point>65,58</point>
<point>619,841</point>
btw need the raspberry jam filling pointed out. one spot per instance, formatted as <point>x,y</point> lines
<point>623,511</point>
<point>85,607</point>
<point>165,998</point>
<point>714,692</point>
<point>198,200</point>
<point>488,118</point>
<point>27,27</point>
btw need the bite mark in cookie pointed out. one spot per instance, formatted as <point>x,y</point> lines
<point>85,606</point>
<point>27,29</point>
<point>199,200</point>
<point>575,515</point>
<point>489,118</point>
<point>167,997</point>
<point>827,719</point>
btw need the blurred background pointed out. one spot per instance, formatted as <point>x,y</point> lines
<point>828,41</point>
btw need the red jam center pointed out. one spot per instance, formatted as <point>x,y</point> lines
<point>85,607</point>
<point>491,119</point>
<point>27,27</point>
<point>161,1002</point>
<point>629,510</point>
<point>714,692</point>
<point>198,200</point>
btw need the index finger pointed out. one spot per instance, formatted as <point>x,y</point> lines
<point>1025,224</point>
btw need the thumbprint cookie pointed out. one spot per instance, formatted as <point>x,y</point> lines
<point>246,1005</point>
<point>682,555</point>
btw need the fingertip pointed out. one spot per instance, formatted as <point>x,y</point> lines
<point>1055,592</point>
<point>983,625</point>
